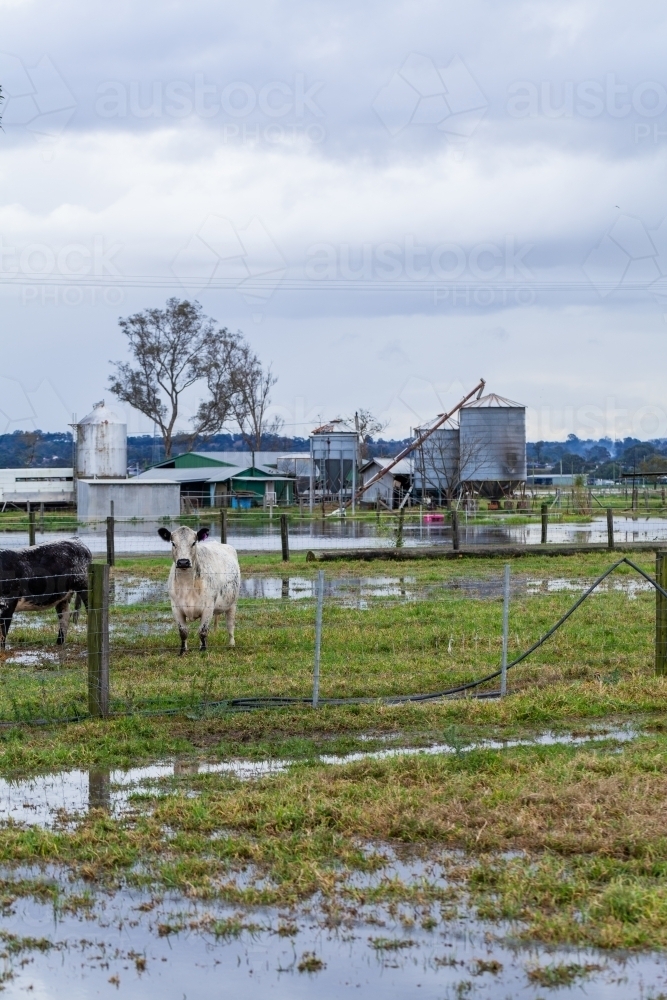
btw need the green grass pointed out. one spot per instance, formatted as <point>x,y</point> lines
<point>567,843</point>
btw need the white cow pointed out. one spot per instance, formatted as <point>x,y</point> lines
<point>204,581</point>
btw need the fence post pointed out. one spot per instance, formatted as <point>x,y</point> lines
<point>31,526</point>
<point>318,638</point>
<point>506,625</point>
<point>610,528</point>
<point>98,640</point>
<point>223,525</point>
<point>455,529</point>
<point>399,533</point>
<point>111,537</point>
<point>661,614</point>
<point>284,537</point>
<point>545,522</point>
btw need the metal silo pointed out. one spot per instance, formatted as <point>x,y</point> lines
<point>334,462</point>
<point>493,445</point>
<point>101,445</point>
<point>437,464</point>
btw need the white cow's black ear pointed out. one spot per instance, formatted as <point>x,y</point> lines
<point>164,534</point>
<point>202,534</point>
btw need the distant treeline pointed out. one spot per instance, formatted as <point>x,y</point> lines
<point>604,457</point>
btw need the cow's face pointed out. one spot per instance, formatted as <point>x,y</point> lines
<point>183,544</point>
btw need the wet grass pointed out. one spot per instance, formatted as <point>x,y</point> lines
<point>566,843</point>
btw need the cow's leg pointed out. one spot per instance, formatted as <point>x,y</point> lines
<point>230,615</point>
<point>78,601</point>
<point>206,616</point>
<point>182,628</point>
<point>62,609</point>
<point>6,614</point>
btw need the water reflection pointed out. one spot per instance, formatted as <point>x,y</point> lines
<point>99,789</point>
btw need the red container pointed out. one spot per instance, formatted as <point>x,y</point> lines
<point>434,518</point>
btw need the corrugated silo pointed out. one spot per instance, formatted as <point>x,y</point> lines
<point>101,445</point>
<point>492,441</point>
<point>437,464</point>
<point>334,454</point>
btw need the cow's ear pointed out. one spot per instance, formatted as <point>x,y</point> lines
<point>202,534</point>
<point>164,534</point>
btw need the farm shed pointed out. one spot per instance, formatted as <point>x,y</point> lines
<point>391,488</point>
<point>206,481</point>
<point>35,486</point>
<point>136,497</point>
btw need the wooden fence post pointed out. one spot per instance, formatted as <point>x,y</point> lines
<point>545,523</point>
<point>661,614</point>
<point>284,537</point>
<point>223,525</point>
<point>31,526</point>
<point>455,529</point>
<point>610,528</point>
<point>318,638</point>
<point>399,533</point>
<point>98,640</point>
<point>111,538</point>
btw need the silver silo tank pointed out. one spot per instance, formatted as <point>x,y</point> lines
<point>493,443</point>
<point>101,445</point>
<point>437,461</point>
<point>335,458</point>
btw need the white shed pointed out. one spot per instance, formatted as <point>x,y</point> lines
<point>131,497</point>
<point>386,488</point>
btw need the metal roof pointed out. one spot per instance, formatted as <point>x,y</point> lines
<point>492,400</point>
<point>402,468</point>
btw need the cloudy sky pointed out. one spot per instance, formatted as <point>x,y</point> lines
<point>389,199</point>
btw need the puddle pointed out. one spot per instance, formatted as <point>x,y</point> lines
<point>46,800</point>
<point>356,591</point>
<point>132,945</point>
<point>31,658</point>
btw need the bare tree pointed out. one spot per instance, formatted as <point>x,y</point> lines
<point>445,463</point>
<point>167,346</point>
<point>367,426</point>
<point>252,398</point>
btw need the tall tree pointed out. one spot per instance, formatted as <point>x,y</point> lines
<point>252,399</point>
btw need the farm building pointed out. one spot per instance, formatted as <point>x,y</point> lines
<point>130,497</point>
<point>207,481</point>
<point>335,459</point>
<point>19,487</point>
<point>392,487</point>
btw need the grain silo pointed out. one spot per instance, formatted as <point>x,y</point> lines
<point>437,463</point>
<point>101,445</point>
<point>334,462</point>
<point>492,445</point>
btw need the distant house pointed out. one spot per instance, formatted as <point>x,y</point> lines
<point>393,485</point>
<point>208,480</point>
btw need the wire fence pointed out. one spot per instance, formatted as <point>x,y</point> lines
<point>383,639</point>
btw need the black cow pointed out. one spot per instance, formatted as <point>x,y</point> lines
<point>43,576</point>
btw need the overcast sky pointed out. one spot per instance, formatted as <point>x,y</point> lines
<point>389,199</point>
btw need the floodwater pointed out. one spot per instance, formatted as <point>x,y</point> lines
<point>346,533</point>
<point>44,799</point>
<point>135,946</point>
<point>356,591</point>
<point>169,947</point>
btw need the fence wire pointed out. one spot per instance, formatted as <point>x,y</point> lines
<point>385,639</point>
